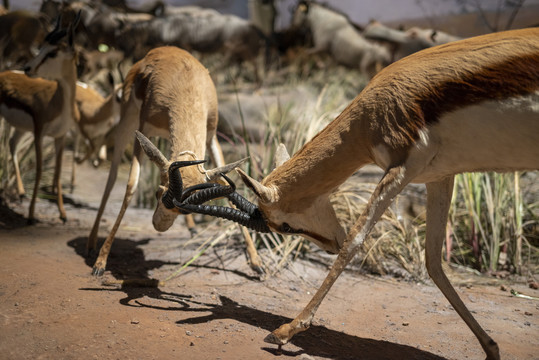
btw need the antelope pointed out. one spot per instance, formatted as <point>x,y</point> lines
<point>46,108</point>
<point>169,94</point>
<point>98,114</point>
<point>469,105</point>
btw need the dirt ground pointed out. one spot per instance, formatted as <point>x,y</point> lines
<point>218,308</point>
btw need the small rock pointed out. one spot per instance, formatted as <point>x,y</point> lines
<point>188,333</point>
<point>405,323</point>
<point>134,321</point>
<point>192,344</point>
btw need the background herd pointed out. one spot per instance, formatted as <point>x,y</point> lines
<point>274,85</point>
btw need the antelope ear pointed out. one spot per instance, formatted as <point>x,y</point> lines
<point>281,155</point>
<point>264,193</point>
<point>152,151</point>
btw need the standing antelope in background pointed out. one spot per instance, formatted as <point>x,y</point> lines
<point>46,108</point>
<point>98,115</point>
<point>168,94</point>
<point>471,105</point>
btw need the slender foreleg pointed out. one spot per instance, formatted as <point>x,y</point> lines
<point>120,143</point>
<point>13,142</point>
<point>38,144</point>
<point>132,182</point>
<point>57,182</point>
<point>438,202</point>
<point>390,186</point>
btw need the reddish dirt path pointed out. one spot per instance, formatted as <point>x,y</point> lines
<point>52,308</point>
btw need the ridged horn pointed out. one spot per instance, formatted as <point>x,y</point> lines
<point>207,192</point>
<point>175,183</point>
<point>254,222</point>
<point>242,203</point>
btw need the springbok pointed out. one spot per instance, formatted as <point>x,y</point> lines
<point>168,94</point>
<point>46,108</point>
<point>470,105</point>
<point>334,33</point>
<point>98,115</point>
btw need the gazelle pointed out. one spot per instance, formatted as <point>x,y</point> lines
<point>471,105</point>
<point>98,115</point>
<point>168,94</point>
<point>46,108</point>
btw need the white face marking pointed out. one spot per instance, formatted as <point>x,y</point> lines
<point>319,220</point>
<point>163,218</point>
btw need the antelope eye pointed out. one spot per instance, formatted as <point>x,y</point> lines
<point>286,228</point>
<point>52,54</point>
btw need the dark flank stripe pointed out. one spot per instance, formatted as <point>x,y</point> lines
<point>416,91</point>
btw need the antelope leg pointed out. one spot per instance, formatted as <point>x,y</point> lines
<point>132,182</point>
<point>390,185</point>
<point>438,202</point>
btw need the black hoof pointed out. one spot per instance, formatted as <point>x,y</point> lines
<point>259,270</point>
<point>97,272</point>
<point>64,219</point>
<point>193,232</point>
<point>272,339</point>
<point>31,221</point>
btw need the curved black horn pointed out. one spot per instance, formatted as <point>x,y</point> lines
<point>175,183</point>
<point>208,191</point>
<point>242,203</point>
<point>255,222</point>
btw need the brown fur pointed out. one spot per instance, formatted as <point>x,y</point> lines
<point>404,98</point>
<point>403,122</point>
<point>168,93</point>
<point>31,95</point>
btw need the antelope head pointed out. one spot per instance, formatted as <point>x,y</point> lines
<point>172,189</point>
<point>314,219</point>
<point>56,55</point>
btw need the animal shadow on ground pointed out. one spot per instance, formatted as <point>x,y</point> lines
<point>127,259</point>
<point>317,341</point>
<point>10,219</point>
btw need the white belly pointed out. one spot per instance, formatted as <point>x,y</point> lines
<point>17,118</point>
<point>492,136</point>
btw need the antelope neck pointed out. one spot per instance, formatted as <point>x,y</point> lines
<point>326,161</point>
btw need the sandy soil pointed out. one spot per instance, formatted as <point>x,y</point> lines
<point>218,308</point>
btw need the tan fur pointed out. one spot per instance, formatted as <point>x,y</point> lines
<point>169,94</point>
<point>98,115</point>
<point>46,108</point>
<point>406,122</point>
